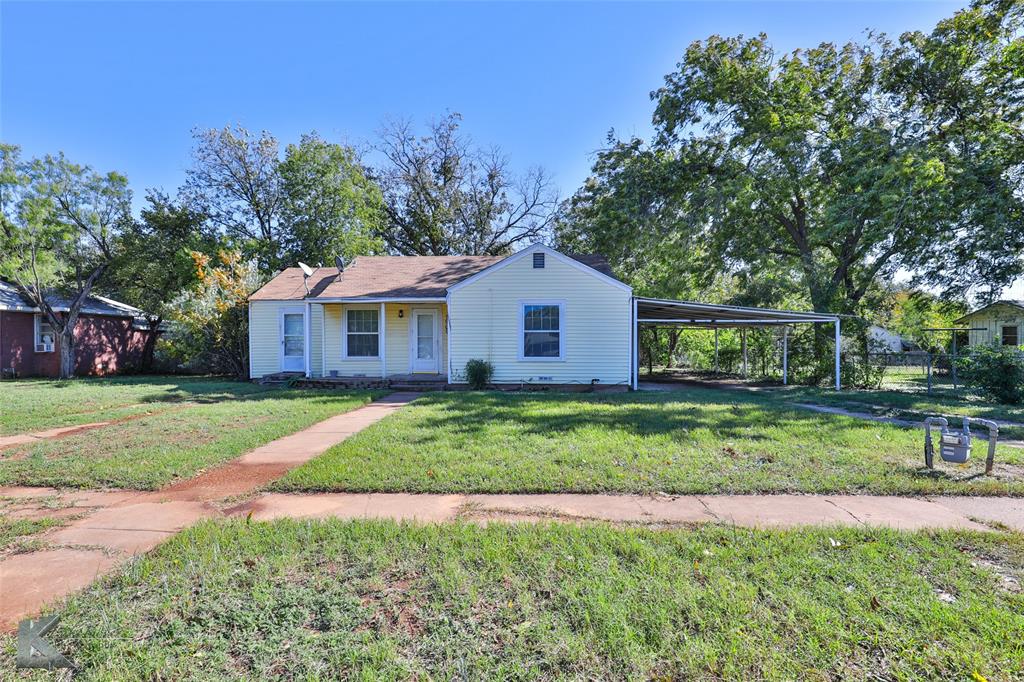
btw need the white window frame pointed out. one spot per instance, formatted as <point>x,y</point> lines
<point>36,341</point>
<point>345,332</point>
<point>521,343</point>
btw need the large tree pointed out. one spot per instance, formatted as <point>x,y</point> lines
<point>837,165</point>
<point>330,206</point>
<point>444,196</point>
<point>234,181</point>
<point>60,221</point>
<point>154,261</point>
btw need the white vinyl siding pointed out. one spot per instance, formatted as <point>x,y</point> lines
<point>316,337</point>
<point>265,336</point>
<point>486,319</point>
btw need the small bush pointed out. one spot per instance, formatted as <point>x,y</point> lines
<point>996,371</point>
<point>479,373</point>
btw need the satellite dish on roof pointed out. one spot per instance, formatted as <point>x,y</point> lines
<point>339,262</point>
<point>306,273</point>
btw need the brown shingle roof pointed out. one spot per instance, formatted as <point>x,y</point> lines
<point>390,277</point>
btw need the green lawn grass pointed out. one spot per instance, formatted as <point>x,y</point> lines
<point>152,451</point>
<point>14,531</point>
<point>687,441</point>
<point>37,404</point>
<point>908,405</point>
<point>377,600</point>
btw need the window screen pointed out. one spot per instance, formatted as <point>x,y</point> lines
<point>542,331</point>
<point>362,333</point>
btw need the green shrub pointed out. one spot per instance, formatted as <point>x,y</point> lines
<point>995,371</point>
<point>479,373</point>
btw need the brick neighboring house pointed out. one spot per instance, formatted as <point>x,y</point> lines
<point>109,336</point>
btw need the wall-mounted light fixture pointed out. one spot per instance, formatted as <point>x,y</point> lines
<point>401,313</point>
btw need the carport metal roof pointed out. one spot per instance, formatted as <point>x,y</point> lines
<point>712,315</point>
<point>662,311</point>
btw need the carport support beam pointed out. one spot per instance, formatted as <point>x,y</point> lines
<point>838,347</point>
<point>785,356</point>
<point>743,338</point>
<point>634,361</point>
<point>716,350</point>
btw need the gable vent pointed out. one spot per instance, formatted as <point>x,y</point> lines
<point>538,260</point>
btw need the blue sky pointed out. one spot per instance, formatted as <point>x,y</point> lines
<point>120,85</point>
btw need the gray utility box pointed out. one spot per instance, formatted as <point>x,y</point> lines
<point>955,446</point>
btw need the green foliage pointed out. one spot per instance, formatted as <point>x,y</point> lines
<point>234,182</point>
<point>915,311</point>
<point>479,374</point>
<point>830,168</point>
<point>59,224</point>
<point>445,197</point>
<point>996,371</point>
<point>316,203</point>
<point>211,330</point>
<point>330,206</point>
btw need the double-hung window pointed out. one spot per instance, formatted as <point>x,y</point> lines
<point>1010,337</point>
<point>542,335</point>
<point>362,333</point>
<point>45,335</point>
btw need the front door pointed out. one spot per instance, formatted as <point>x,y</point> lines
<point>423,342</point>
<point>293,340</point>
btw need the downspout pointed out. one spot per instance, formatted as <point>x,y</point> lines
<point>448,332</point>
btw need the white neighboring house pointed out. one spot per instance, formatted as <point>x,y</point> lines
<point>539,316</point>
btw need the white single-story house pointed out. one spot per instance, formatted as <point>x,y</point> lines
<point>538,316</point>
<point>1000,323</point>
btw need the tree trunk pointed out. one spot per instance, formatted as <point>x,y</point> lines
<point>149,348</point>
<point>67,352</point>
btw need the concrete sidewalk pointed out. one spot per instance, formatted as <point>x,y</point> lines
<point>111,526</point>
<point>755,511</point>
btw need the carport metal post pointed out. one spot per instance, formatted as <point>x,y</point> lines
<point>635,359</point>
<point>838,347</point>
<point>716,350</point>
<point>785,355</point>
<point>743,338</point>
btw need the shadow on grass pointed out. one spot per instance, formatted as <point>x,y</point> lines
<point>727,414</point>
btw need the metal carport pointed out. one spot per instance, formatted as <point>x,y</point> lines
<point>667,312</point>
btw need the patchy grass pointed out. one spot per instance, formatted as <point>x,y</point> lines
<point>37,404</point>
<point>14,532</point>
<point>152,451</point>
<point>912,406</point>
<point>687,441</point>
<point>378,600</point>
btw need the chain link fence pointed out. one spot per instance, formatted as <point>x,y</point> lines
<point>913,372</point>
